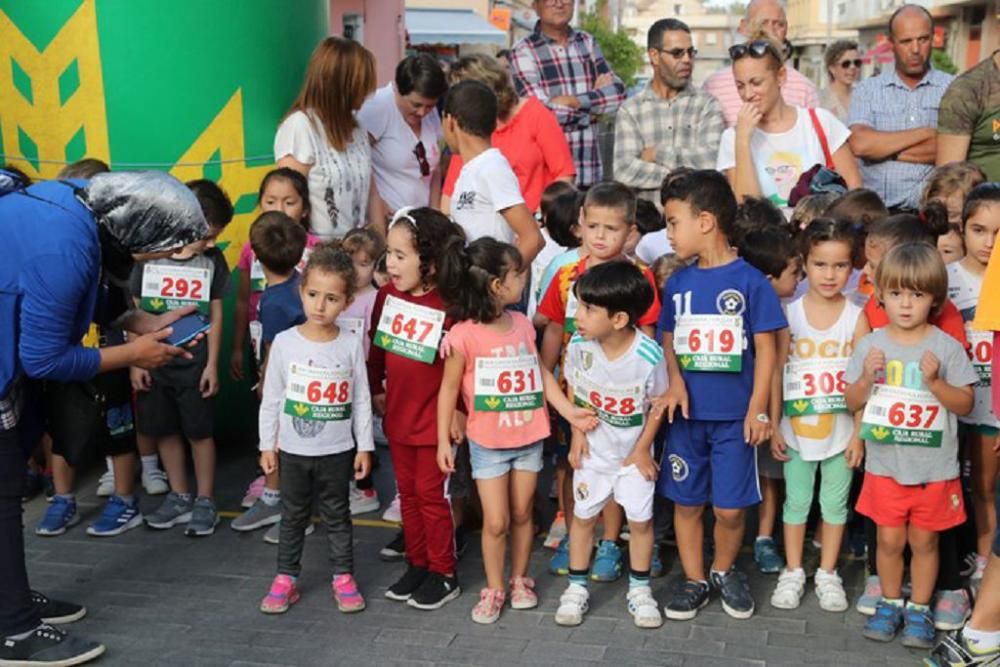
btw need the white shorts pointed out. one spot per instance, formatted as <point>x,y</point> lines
<point>592,489</point>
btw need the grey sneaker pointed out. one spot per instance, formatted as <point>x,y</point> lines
<point>259,515</point>
<point>172,511</point>
<point>273,534</point>
<point>204,518</point>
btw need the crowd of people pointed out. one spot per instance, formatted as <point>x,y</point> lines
<point>769,284</point>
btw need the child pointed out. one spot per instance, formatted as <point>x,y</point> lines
<point>648,220</point>
<point>950,184</point>
<point>809,208</point>
<point>408,324</point>
<point>615,369</point>
<point>719,320</point>
<point>559,222</point>
<point>862,208</point>
<point>815,429</point>
<point>912,380</point>
<point>174,402</point>
<point>756,213</point>
<point>316,406</point>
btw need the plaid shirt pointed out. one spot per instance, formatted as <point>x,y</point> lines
<point>545,69</point>
<point>685,130</point>
<point>10,406</point>
<point>886,104</point>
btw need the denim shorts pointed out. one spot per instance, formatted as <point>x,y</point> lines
<point>488,463</point>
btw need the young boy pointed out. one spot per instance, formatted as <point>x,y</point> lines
<point>606,220</point>
<point>615,370</point>
<point>719,322</point>
<point>175,400</point>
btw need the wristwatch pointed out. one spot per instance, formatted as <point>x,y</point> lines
<point>763,418</point>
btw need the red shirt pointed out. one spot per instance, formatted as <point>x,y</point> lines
<point>534,144</point>
<point>948,320</point>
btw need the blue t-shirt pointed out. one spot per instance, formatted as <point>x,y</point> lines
<point>280,308</point>
<point>733,289</point>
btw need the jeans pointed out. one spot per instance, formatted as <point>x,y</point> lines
<point>17,614</point>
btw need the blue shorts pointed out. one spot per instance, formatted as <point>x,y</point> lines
<point>708,461</point>
<point>489,463</point>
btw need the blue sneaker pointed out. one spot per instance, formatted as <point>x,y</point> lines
<point>117,517</point>
<point>918,628</point>
<point>656,565</point>
<point>765,554</point>
<point>885,623</point>
<point>559,563</point>
<point>60,516</point>
<point>607,562</point>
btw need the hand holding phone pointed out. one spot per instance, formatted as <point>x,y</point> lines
<point>187,329</point>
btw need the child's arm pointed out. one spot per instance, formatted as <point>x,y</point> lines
<point>241,319</point>
<point>529,240</point>
<point>641,455</point>
<point>676,396</point>
<point>778,446</point>
<point>451,384</point>
<point>272,393</point>
<point>756,431</point>
<point>361,415</point>
<point>861,329</point>
<point>959,400</point>
<point>581,418</point>
<point>209,384</point>
<point>551,345</point>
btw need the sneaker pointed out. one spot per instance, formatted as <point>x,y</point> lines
<point>736,598</point>
<point>830,591</point>
<point>976,578</point>
<point>436,591</point>
<point>60,515</point>
<point>172,511</point>
<point>204,518</point>
<point>607,562</point>
<point>522,593</point>
<point>363,501</point>
<point>557,531</point>
<point>55,612</point>
<point>488,609</point>
<point>117,517</point>
<point>573,604</point>
<point>559,563</point>
<point>656,569</point>
<point>253,492</point>
<point>883,625</point>
<point>790,589</point>
<point>47,645</point>
<point>954,651</point>
<point>395,550</point>
<point>346,594</point>
<point>918,628</point>
<point>645,612</point>
<point>405,585</point>
<point>765,554</point>
<point>273,534</point>
<point>952,610</point>
<point>393,513</point>
<point>968,566</point>
<point>688,597</point>
<point>106,484</point>
<point>259,515</point>
<point>869,599</point>
<point>283,594</point>
<point>154,482</point>
<point>378,434</point>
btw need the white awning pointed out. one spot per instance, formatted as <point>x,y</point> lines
<point>451,26</point>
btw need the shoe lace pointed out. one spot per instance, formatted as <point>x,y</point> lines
<point>691,590</point>
<point>789,582</point>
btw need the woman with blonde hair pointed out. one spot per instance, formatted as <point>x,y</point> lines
<point>843,65</point>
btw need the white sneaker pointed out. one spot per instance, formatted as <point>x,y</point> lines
<point>273,534</point>
<point>155,482</point>
<point>557,531</point>
<point>106,485</point>
<point>573,604</point>
<point>645,612</point>
<point>830,591</point>
<point>362,501</point>
<point>393,513</point>
<point>790,589</point>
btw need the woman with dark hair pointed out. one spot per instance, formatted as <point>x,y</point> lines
<point>843,64</point>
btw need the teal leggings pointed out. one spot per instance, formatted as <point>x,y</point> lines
<point>800,481</point>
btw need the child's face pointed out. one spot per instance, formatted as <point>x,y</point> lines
<point>364,266</point>
<point>281,195</point>
<point>785,284</point>
<point>875,249</point>
<point>828,268</point>
<point>448,126</point>
<point>683,228</point>
<point>981,233</point>
<point>595,322</point>
<point>402,262</point>
<point>511,288</point>
<point>198,247</point>
<point>603,232</point>
<point>324,297</point>
<point>906,308</point>
<point>950,246</point>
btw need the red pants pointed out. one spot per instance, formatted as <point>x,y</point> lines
<point>427,524</point>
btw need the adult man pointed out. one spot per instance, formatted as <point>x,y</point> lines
<point>565,69</point>
<point>768,16</point>
<point>969,120</point>
<point>893,116</point>
<point>669,124</point>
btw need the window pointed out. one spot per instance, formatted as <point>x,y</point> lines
<point>354,27</point>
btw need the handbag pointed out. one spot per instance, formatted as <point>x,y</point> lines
<point>820,178</point>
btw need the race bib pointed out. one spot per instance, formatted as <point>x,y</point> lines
<point>709,343</point>
<point>621,407</point>
<point>571,306</point>
<point>169,287</point>
<point>901,416</point>
<point>815,387</point>
<point>410,330</point>
<point>982,354</point>
<point>318,394</point>
<point>256,337</point>
<point>257,280</point>
<point>352,325</point>
<point>505,384</point>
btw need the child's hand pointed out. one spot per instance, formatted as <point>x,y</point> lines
<point>756,427</point>
<point>874,364</point>
<point>579,450</point>
<point>236,365</point>
<point>584,419</point>
<point>140,378</point>
<point>457,428</point>
<point>362,464</point>
<point>446,458</point>
<point>779,446</point>
<point>676,397</point>
<point>209,384</point>
<point>444,350</point>
<point>855,453</point>
<point>644,463</point>
<point>269,461</point>
<point>378,404</point>
<point>929,366</point>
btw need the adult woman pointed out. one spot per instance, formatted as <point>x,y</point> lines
<point>843,64</point>
<point>528,133</point>
<point>321,138</point>
<point>774,143</point>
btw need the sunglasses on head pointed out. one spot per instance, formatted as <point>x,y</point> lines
<point>755,49</point>
<point>844,64</point>
<point>679,53</point>
<point>421,153</point>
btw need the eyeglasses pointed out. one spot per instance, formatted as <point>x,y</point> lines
<point>845,64</point>
<point>755,49</point>
<point>679,53</point>
<point>421,153</point>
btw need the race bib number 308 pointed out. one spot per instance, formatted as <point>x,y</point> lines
<point>169,287</point>
<point>621,407</point>
<point>505,384</point>
<point>318,394</point>
<point>814,387</point>
<point>901,416</point>
<point>982,354</point>
<point>709,343</point>
<point>410,330</point>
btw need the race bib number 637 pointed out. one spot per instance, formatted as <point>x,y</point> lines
<point>900,416</point>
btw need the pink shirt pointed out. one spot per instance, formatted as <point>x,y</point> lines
<point>798,91</point>
<point>361,308</point>
<point>498,430</point>
<point>245,265</point>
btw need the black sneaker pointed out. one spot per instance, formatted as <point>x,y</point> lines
<point>50,646</point>
<point>407,584</point>
<point>56,612</point>
<point>395,550</point>
<point>435,592</point>
<point>735,592</point>
<point>687,599</point>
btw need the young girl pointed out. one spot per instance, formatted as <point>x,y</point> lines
<point>408,322</point>
<point>912,380</point>
<point>948,186</point>
<point>816,428</point>
<point>316,405</point>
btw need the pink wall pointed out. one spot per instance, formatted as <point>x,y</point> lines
<point>382,32</point>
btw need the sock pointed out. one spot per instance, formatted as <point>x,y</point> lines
<point>579,577</point>
<point>150,463</point>
<point>110,465</point>
<point>128,500</point>
<point>919,607</point>
<point>71,497</point>
<point>270,497</point>
<point>763,537</point>
<point>720,574</point>
<point>981,641</point>
<point>637,578</point>
<point>895,602</point>
<point>186,497</point>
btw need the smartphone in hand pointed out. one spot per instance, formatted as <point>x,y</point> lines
<point>187,329</point>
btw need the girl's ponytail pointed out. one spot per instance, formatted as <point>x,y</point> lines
<point>934,215</point>
<point>470,276</point>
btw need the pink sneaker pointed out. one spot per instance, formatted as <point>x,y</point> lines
<point>490,604</point>
<point>347,595</point>
<point>283,594</point>
<point>522,593</point>
<point>253,492</point>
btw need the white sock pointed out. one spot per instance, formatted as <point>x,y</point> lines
<point>981,641</point>
<point>111,467</point>
<point>270,497</point>
<point>150,463</point>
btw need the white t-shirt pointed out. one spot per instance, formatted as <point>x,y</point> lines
<point>485,187</point>
<point>653,246</point>
<point>338,180</point>
<point>963,290</point>
<point>781,158</point>
<point>397,169</point>
<point>549,252</point>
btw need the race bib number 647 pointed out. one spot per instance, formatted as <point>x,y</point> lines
<point>410,330</point>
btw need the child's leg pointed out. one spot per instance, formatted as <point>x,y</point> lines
<point>522,500</point>
<point>272,481</point>
<point>800,481</point>
<point>729,527</point>
<point>404,465</point>
<point>986,613</point>
<point>891,542</point>
<point>613,518</point>
<point>174,461</point>
<point>923,564</point>
<point>435,510</point>
<point>566,501</point>
<point>690,531</point>
<point>123,466</point>
<point>63,475</point>
<point>296,507</point>
<point>640,545</point>
<point>985,465</point>
<point>333,476</point>
<point>495,496</point>
<point>767,511</point>
<point>203,453</point>
<point>581,543</point>
<point>835,487</point>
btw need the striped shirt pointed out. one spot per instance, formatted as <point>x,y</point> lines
<point>798,91</point>
<point>545,69</point>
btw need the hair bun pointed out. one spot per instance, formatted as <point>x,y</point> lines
<point>934,215</point>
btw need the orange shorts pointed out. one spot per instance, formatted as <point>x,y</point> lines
<point>935,506</point>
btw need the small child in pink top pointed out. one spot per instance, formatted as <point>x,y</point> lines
<point>365,248</point>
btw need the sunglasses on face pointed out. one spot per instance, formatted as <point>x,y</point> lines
<point>679,53</point>
<point>755,49</point>
<point>421,153</point>
<point>845,64</point>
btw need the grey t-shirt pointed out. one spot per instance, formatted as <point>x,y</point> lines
<point>911,464</point>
